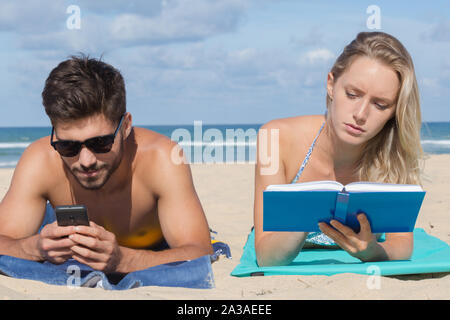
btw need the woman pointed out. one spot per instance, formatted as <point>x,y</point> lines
<point>370,132</point>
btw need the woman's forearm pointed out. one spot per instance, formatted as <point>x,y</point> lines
<point>397,249</point>
<point>394,249</point>
<point>279,248</point>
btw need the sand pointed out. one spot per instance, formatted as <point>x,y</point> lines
<point>226,193</point>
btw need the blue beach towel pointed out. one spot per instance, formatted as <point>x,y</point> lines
<point>430,255</point>
<point>189,274</point>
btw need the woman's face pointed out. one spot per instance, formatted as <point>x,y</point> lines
<point>363,100</point>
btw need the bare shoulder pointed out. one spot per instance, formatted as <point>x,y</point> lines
<point>39,164</point>
<point>152,145</point>
<point>295,129</point>
<point>156,155</point>
<point>40,151</point>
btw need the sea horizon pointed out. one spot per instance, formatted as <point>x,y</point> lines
<point>205,142</point>
<point>186,124</point>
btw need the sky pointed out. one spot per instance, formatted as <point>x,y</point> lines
<point>215,61</point>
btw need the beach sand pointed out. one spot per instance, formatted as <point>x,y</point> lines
<point>226,193</point>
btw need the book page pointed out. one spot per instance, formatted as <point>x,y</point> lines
<point>365,186</point>
<point>324,185</point>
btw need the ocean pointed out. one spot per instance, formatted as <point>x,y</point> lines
<point>205,143</point>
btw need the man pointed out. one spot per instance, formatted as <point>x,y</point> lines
<point>136,197</point>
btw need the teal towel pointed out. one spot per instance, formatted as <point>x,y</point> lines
<point>430,255</point>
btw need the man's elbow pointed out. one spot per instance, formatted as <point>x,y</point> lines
<point>203,248</point>
<point>199,249</point>
<point>207,248</point>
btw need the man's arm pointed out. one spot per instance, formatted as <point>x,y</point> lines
<point>23,207</point>
<point>181,216</point>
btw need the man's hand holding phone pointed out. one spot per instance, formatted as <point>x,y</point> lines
<point>74,236</point>
<point>96,247</point>
<point>54,244</point>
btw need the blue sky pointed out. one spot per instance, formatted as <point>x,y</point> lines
<point>218,61</point>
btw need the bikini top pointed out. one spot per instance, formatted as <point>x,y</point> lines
<point>308,155</point>
<point>318,238</point>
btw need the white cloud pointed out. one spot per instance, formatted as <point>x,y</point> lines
<point>31,16</point>
<point>142,7</point>
<point>183,20</point>
<point>430,82</point>
<point>313,38</point>
<point>215,70</point>
<point>317,56</point>
<point>41,26</point>
<point>438,32</point>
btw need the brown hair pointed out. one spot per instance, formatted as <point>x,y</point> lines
<point>394,154</point>
<point>81,87</point>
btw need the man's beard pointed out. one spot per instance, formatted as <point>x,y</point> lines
<point>104,172</point>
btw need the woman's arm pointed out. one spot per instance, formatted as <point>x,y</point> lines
<point>398,246</point>
<point>272,248</point>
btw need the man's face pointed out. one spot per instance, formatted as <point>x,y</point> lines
<point>92,170</point>
<point>364,96</point>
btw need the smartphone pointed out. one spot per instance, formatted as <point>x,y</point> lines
<point>73,215</point>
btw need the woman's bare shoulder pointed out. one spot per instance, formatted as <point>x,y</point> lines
<point>296,127</point>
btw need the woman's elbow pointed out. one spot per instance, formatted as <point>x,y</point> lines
<point>270,258</point>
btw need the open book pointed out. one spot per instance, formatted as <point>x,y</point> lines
<point>301,206</point>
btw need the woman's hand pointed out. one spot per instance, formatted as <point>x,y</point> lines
<point>362,245</point>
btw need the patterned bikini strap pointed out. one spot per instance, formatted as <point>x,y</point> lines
<point>305,161</point>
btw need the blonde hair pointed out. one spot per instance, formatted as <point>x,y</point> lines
<point>394,154</point>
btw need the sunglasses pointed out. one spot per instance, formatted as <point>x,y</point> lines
<point>100,144</point>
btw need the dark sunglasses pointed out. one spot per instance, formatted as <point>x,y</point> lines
<point>100,144</point>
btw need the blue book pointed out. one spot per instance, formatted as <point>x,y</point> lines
<point>301,206</point>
